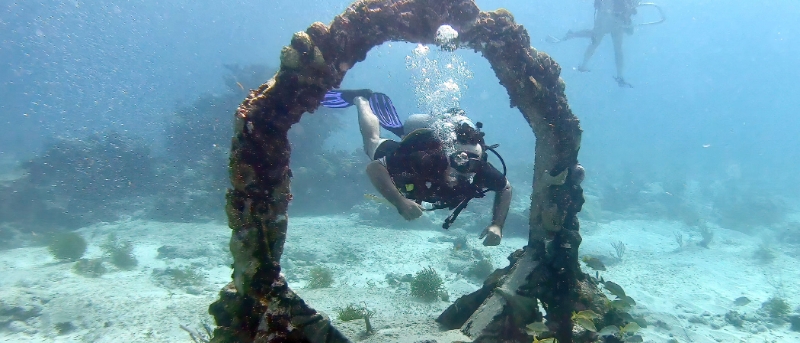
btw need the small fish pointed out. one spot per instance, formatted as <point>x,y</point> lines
<point>588,314</point>
<point>706,145</point>
<point>536,328</point>
<point>741,301</point>
<point>631,327</point>
<point>375,198</point>
<point>621,305</point>
<point>608,330</point>
<point>586,324</point>
<point>634,339</point>
<point>614,289</point>
<point>585,319</point>
<point>593,262</point>
<point>240,85</point>
<point>628,300</point>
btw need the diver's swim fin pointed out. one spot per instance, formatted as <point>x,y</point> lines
<point>380,104</point>
<point>342,98</point>
<point>387,115</point>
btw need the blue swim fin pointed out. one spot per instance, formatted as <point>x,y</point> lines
<point>342,98</point>
<point>380,104</point>
<point>387,115</point>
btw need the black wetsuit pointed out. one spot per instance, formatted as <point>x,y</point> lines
<point>623,9</point>
<point>418,168</point>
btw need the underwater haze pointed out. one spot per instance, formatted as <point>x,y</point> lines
<point>117,122</point>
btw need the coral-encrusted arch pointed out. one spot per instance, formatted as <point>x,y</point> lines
<point>258,304</point>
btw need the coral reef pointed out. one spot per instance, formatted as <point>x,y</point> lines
<point>94,169</point>
<point>314,170</point>
<point>78,181</point>
<point>619,249</point>
<point>743,209</point>
<point>427,285</point>
<point>198,337</point>
<point>776,308</point>
<point>197,141</point>
<point>319,277</point>
<point>120,253</point>
<point>706,234</point>
<point>89,267</point>
<point>679,240</point>
<point>67,246</point>
<point>355,312</point>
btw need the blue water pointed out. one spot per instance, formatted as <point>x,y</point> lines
<point>714,73</point>
<point>711,120</point>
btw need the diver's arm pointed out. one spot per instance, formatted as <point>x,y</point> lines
<point>502,201</point>
<point>494,232</point>
<point>380,178</point>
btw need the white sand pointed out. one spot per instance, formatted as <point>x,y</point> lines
<point>671,285</point>
<point>694,283</point>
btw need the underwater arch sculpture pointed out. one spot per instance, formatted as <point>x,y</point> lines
<point>258,306</point>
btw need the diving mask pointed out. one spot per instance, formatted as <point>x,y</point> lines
<point>465,161</point>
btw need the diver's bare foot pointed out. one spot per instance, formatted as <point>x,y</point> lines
<point>582,69</point>
<point>622,83</point>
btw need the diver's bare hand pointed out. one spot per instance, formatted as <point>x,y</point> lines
<point>409,209</point>
<point>493,234</point>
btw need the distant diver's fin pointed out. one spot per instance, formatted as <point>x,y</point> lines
<point>387,115</point>
<point>342,98</point>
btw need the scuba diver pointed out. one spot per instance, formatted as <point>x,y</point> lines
<point>611,17</point>
<point>441,161</point>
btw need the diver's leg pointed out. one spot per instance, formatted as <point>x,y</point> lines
<point>596,39</point>
<point>617,37</point>
<point>369,125</point>
<point>619,57</point>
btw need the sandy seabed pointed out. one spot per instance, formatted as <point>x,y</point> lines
<point>683,292</point>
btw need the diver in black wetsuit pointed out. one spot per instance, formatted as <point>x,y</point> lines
<point>423,166</point>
